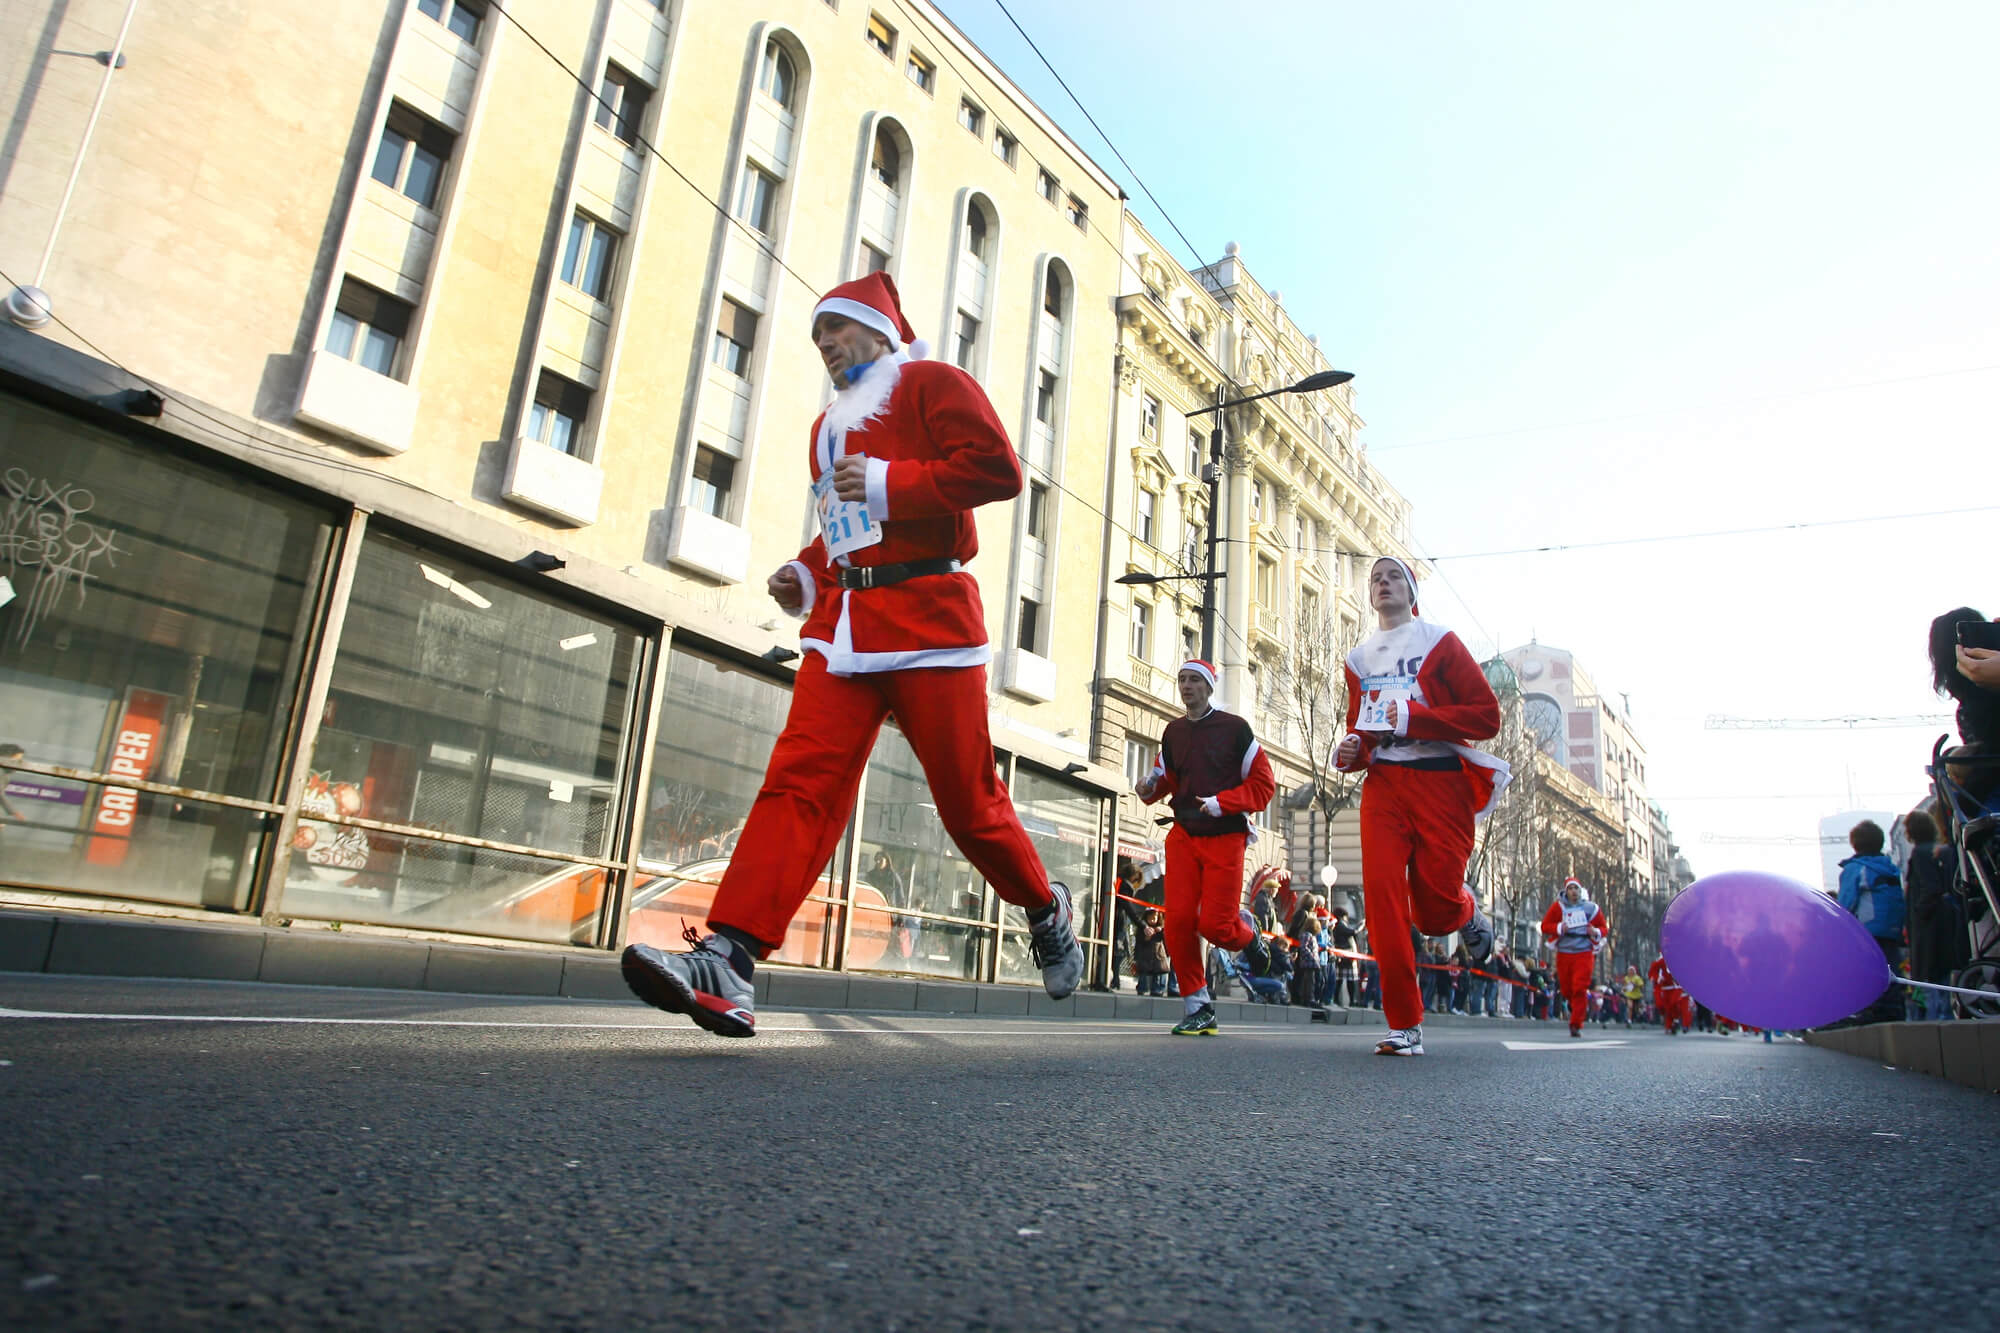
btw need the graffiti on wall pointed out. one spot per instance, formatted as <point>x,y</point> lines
<point>47,545</point>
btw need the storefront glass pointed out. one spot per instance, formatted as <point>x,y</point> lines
<point>463,704</point>
<point>718,723</point>
<point>150,628</point>
<point>1067,825</point>
<point>920,907</point>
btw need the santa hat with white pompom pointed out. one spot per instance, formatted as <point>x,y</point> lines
<point>873,302</point>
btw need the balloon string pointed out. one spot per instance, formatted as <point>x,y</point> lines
<point>1955,990</point>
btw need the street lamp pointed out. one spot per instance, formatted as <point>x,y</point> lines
<point>1212,474</point>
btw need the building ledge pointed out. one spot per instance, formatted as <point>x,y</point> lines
<point>709,545</point>
<point>1030,676</point>
<point>553,483</point>
<point>357,404</point>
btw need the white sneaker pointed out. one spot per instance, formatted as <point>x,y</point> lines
<point>1402,1041</point>
<point>700,983</point>
<point>1052,944</point>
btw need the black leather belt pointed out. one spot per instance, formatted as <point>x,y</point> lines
<point>881,576</point>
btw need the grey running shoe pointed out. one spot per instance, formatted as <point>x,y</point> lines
<point>1052,944</point>
<point>700,983</point>
<point>1402,1041</point>
<point>1256,954</point>
<point>1478,936</point>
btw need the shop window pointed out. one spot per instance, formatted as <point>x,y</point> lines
<point>154,634</point>
<point>463,703</point>
<point>1068,826</point>
<point>921,906</point>
<point>718,724</point>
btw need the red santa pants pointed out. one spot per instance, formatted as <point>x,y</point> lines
<point>1416,833</point>
<point>1204,901</point>
<point>1573,980</point>
<point>808,793</point>
<point>1675,1011</point>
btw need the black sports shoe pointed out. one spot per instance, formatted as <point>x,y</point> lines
<point>1053,947</point>
<point>1200,1023</point>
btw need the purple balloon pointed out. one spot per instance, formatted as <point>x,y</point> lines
<point>1770,952</point>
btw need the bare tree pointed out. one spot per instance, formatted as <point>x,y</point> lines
<point>1308,698</point>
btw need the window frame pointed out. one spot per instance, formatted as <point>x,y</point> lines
<point>760,185</point>
<point>619,116</point>
<point>732,320</point>
<point>1047,186</point>
<point>558,399</point>
<point>369,312</point>
<point>972,117</point>
<point>420,134</point>
<point>582,250</point>
<point>921,71</point>
<point>1006,147</point>
<point>703,493</point>
<point>883,42</point>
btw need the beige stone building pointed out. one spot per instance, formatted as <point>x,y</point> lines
<point>427,594</point>
<point>1303,514</point>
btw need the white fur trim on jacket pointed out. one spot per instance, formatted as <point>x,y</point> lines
<point>809,588</point>
<point>878,489</point>
<point>843,660</point>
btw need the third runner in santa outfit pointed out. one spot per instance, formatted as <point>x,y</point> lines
<point>1576,926</point>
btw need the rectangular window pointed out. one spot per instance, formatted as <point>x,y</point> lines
<point>1142,631</point>
<point>1078,213</point>
<point>460,17</point>
<point>588,256</point>
<point>1196,450</point>
<point>1045,398</point>
<point>1267,584</point>
<point>1149,416</point>
<point>1028,627</point>
<point>411,156</point>
<point>1139,756</point>
<point>621,104</point>
<point>873,260</point>
<point>368,327</point>
<point>1256,502</point>
<point>971,117</point>
<point>756,200</point>
<point>1005,146</point>
<point>965,341</point>
<point>162,645</point>
<point>1148,504</point>
<point>557,414</point>
<point>1047,186</point>
<point>713,478</point>
<point>735,336</point>
<point>881,36</point>
<point>1038,511</point>
<point>921,72</point>
<point>1190,643</point>
<point>504,712</point>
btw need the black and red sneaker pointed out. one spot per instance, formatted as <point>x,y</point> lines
<point>701,983</point>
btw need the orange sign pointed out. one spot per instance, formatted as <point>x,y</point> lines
<point>133,751</point>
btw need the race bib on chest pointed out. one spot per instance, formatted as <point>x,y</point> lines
<point>1576,920</point>
<point>1377,693</point>
<point>843,524</point>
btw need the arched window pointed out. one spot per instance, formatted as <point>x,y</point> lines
<point>975,232</point>
<point>778,78</point>
<point>1052,293</point>
<point>888,160</point>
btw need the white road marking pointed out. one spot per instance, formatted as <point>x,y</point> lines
<point>1535,1045</point>
<point>1027,1028</point>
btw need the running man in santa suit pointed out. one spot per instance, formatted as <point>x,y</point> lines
<point>1576,926</point>
<point>1676,1014</point>
<point>899,459</point>
<point>1213,768</point>
<point>1415,698</point>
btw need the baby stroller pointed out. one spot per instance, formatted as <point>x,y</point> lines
<point>1262,990</point>
<point>1973,829</point>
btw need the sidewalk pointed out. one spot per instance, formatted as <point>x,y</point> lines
<point>130,945</point>
<point>1965,1052</point>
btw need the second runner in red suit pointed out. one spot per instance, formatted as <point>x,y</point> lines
<point>1577,928</point>
<point>1670,1000</point>
<point>1415,698</point>
<point>893,623</point>
<point>1216,773</point>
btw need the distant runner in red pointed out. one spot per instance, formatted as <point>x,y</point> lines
<point>1576,926</point>
<point>1676,1013</point>
<point>1212,766</point>
<point>1415,698</point>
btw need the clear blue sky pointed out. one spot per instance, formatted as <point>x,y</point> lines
<point>1607,271</point>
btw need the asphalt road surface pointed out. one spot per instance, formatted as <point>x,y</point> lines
<point>473,1163</point>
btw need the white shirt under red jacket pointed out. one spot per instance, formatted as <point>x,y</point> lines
<point>1444,701</point>
<point>936,451</point>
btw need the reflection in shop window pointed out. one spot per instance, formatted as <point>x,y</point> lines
<point>463,704</point>
<point>717,726</point>
<point>933,901</point>
<point>155,634</point>
<point>1068,826</point>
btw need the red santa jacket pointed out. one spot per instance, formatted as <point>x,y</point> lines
<point>1449,704</point>
<point>1663,980</point>
<point>936,451</point>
